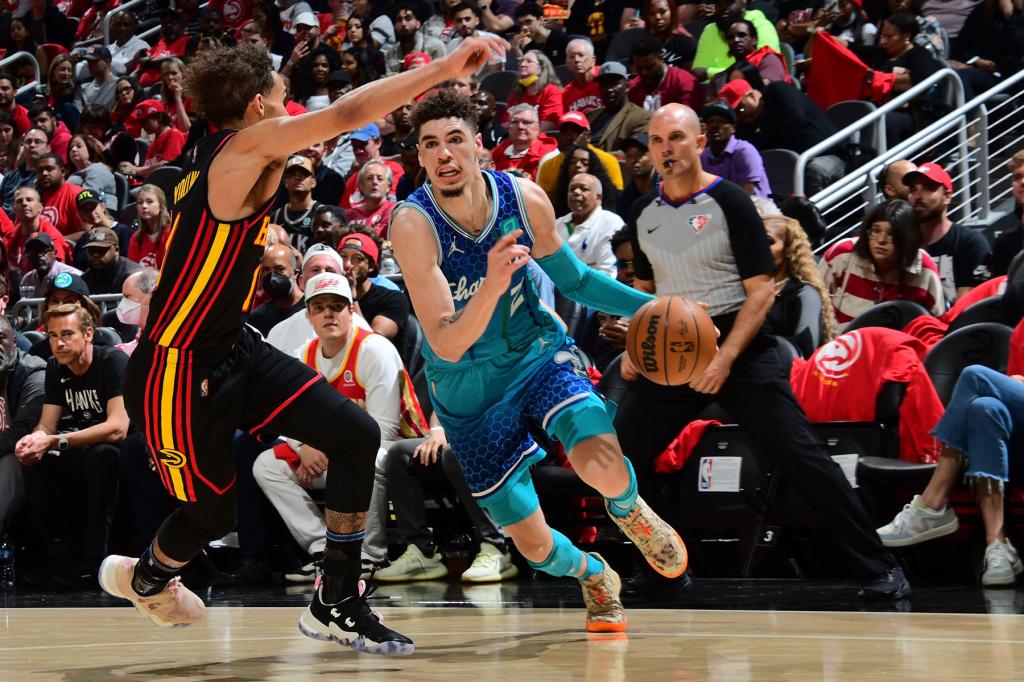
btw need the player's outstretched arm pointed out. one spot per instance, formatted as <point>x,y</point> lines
<point>450,332</point>
<point>278,137</point>
<point>574,279</point>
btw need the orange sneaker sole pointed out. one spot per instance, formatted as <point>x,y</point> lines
<point>602,626</point>
<point>686,562</point>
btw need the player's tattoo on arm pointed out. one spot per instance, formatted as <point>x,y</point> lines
<point>345,523</point>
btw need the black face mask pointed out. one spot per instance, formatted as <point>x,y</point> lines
<point>276,285</point>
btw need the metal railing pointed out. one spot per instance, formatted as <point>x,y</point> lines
<point>24,56</point>
<point>877,119</point>
<point>28,308</point>
<point>113,13</point>
<point>973,142</point>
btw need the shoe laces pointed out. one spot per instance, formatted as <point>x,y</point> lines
<point>599,597</point>
<point>903,519</point>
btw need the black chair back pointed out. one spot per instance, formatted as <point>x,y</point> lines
<point>891,315</point>
<point>985,343</point>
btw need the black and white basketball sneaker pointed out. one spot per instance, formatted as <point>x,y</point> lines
<point>351,623</point>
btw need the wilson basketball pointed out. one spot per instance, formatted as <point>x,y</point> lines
<point>671,340</point>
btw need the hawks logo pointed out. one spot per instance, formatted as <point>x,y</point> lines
<point>172,459</point>
<point>699,222</point>
<point>835,358</point>
<point>348,377</point>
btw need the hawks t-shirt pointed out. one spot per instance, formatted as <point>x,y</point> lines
<point>84,398</point>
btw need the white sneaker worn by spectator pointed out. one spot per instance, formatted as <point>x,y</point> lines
<point>916,523</point>
<point>1002,565</point>
<point>413,565</point>
<point>491,565</point>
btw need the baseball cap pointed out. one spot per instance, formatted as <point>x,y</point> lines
<point>718,108</point>
<point>933,172</point>
<point>360,242</point>
<point>323,250</point>
<point>96,53</point>
<point>637,140</point>
<point>415,59</point>
<point>328,283</point>
<point>88,196</point>
<point>338,76</point>
<point>575,118</point>
<point>614,69</point>
<point>40,238</point>
<point>102,237</point>
<point>733,91</point>
<point>366,133</point>
<point>67,281</point>
<point>297,160</point>
<point>304,19</point>
<point>147,107</point>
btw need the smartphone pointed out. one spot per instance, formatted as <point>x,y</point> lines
<point>831,6</point>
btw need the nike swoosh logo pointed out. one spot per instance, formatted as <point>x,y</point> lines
<point>652,229</point>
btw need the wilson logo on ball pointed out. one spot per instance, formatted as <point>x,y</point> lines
<point>649,345</point>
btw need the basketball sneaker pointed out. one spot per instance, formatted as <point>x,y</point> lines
<point>601,595</point>
<point>1002,565</point>
<point>351,623</point>
<point>657,541</point>
<point>916,523</point>
<point>174,606</point>
<point>307,573</point>
<point>413,565</point>
<point>490,565</point>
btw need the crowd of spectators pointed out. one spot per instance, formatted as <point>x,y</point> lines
<point>84,214</point>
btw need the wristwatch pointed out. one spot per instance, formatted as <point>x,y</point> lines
<point>62,442</point>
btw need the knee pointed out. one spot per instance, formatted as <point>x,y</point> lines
<point>397,460</point>
<point>266,469</point>
<point>535,547</point>
<point>362,434</point>
<point>992,411</point>
<point>450,464</point>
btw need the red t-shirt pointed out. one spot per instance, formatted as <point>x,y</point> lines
<point>528,162</point>
<point>294,108</point>
<point>60,209</point>
<point>352,196</point>
<point>167,146</point>
<point>548,102</point>
<point>379,219</point>
<point>1016,363</point>
<point>582,98</point>
<point>235,12</point>
<point>677,86</point>
<point>15,243</point>
<point>151,72</point>
<point>61,140</point>
<point>145,250</point>
<point>21,120</point>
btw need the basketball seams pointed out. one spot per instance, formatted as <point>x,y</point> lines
<point>696,330</point>
<point>664,339</point>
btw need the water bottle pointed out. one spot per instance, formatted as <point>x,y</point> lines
<point>6,563</point>
<point>388,265</point>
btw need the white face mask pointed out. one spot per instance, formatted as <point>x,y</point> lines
<point>128,311</point>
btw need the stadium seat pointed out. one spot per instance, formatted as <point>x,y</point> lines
<point>412,346</point>
<point>165,177</point>
<point>612,386</point>
<point>106,336</point>
<point>1016,269</point>
<point>53,50</point>
<point>128,213</point>
<point>985,343</point>
<point>779,165</point>
<point>126,332</point>
<point>500,84</point>
<point>789,56</point>
<point>986,310</point>
<point>844,114</point>
<point>122,188</point>
<point>572,313</point>
<point>564,75</point>
<point>34,336</point>
<point>891,315</point>
<point>621,46</point>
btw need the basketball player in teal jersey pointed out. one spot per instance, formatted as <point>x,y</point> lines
<point>495,356</point>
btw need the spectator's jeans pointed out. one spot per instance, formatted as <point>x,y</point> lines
<point>986,409</point>
<point>149,500</point>
<point>58,482</point>
<point>821,172</point>
<point>12,488</point>
<point>302,516</point>
<point>406,480</point>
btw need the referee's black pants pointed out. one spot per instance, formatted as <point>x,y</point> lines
<point>758,396</point>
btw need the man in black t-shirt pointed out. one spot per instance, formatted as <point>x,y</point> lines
<point>108,269</point>
<point>699,236</point>
<point>534,35</point>
<point>74,448</point>
<point>959,252</point>
<point>279,281</point>
<point>386,310</point>
<point>296,216</point>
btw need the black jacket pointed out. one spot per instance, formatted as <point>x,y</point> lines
<point>23,389</point>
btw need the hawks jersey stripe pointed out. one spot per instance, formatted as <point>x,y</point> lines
<point>210,290</point>
<point>180,287</point>
<point>209,266</point>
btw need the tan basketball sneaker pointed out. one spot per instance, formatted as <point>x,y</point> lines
<point>175,606</point>
<point>657,541</point>
<point>601,595</point>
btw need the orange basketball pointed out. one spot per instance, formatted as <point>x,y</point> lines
<point>671,340</point>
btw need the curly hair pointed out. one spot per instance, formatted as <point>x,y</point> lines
<point>444,104</point>
<point>370,65</point>
<point>302,84</point>
<point>609,194</point>
<point>799,259</point>
<point>248,71</point>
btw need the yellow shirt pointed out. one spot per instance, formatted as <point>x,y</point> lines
<point>547,176</point>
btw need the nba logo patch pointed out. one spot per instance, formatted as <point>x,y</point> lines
<point>704,480</point>
<point>204,387</point>
<point>699,222</point>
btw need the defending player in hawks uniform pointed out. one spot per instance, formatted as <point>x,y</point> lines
<point>199,373</point>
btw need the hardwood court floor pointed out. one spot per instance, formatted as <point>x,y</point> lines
<point>261,643</point>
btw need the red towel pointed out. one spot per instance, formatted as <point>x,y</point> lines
<point>678,451</point>
<point>837,75</point>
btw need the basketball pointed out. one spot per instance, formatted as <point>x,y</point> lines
<point>671,340</point>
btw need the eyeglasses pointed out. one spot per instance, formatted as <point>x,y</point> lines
<point>880,236</point>
<point>623,263</point>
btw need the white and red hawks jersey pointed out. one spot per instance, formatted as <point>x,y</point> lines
<point>841,381</point>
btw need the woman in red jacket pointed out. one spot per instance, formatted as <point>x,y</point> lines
<point>149,241</point>
<point>538,86</point>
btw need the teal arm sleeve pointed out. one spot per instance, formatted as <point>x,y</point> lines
<point>590,287</point>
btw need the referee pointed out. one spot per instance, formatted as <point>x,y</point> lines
<point>699,236</point>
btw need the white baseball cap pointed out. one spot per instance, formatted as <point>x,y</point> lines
<point>321,249</point>
<point>328,283</point>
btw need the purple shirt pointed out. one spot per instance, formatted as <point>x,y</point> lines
<point>739,163</point>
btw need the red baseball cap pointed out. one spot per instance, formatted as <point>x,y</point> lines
<point>933,172</point>
<point>147,107</point>
<point>360,242</point>
<point>733,91</point>
<point>575,118</point>
<point>415,59</point>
